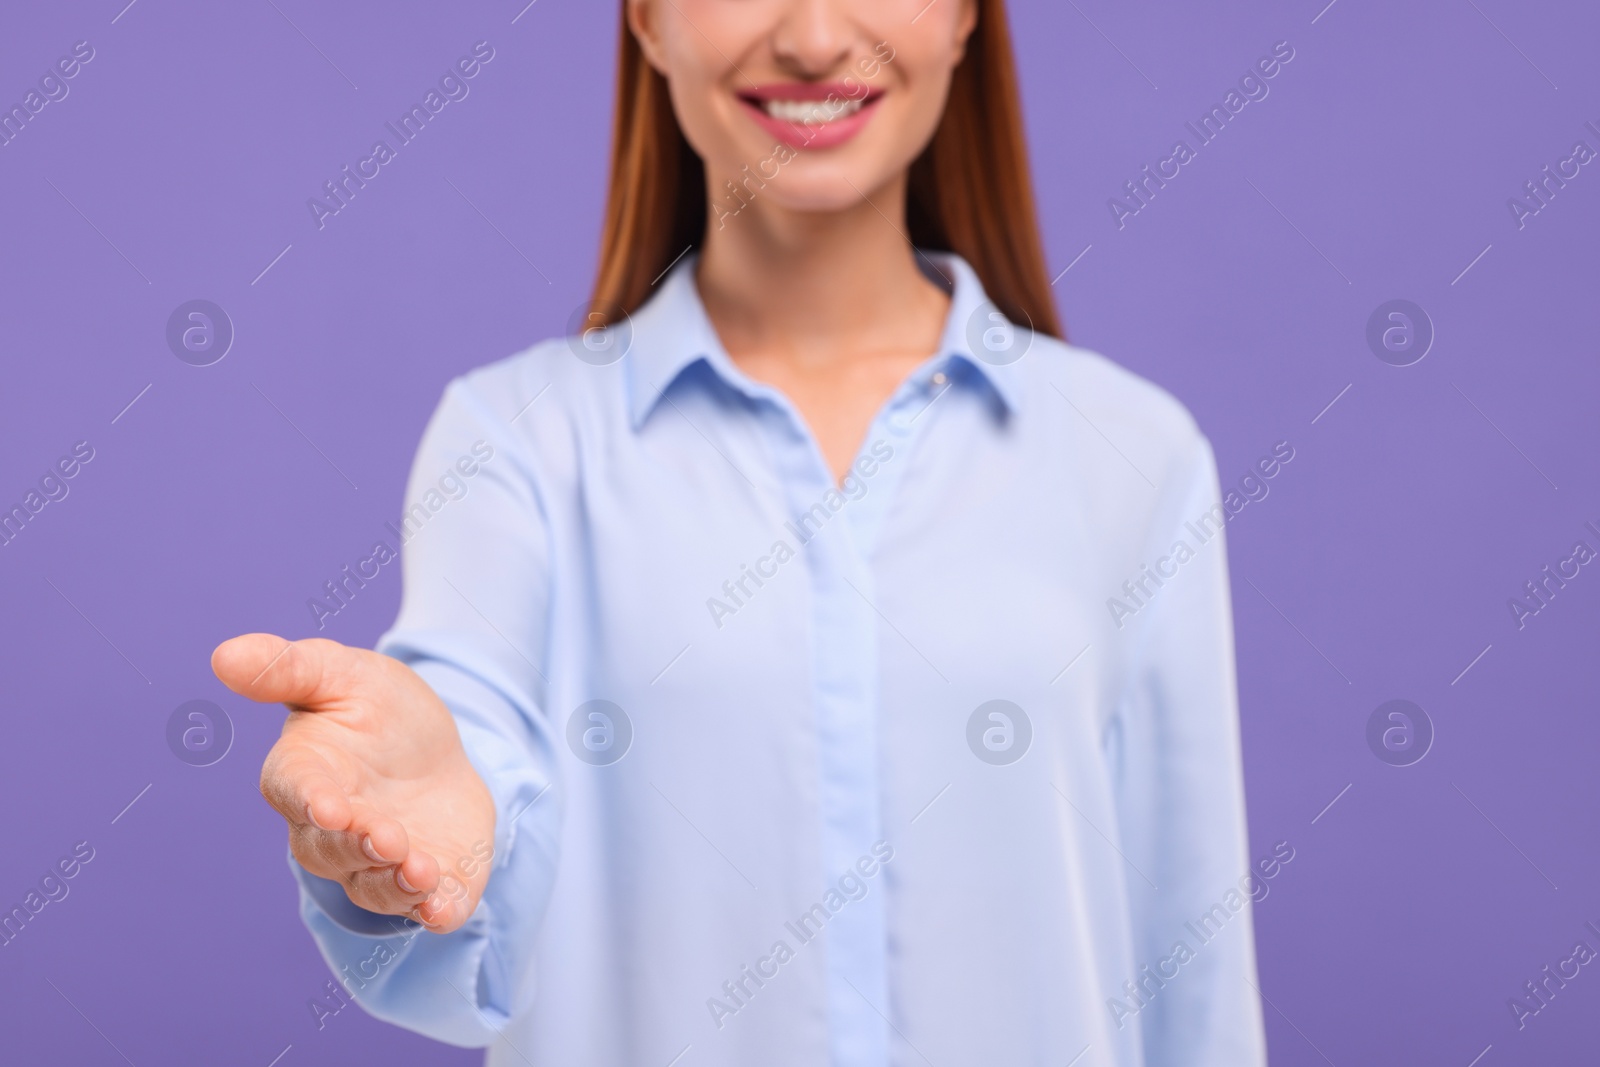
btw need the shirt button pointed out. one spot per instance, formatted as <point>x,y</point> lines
<point>939,378</point>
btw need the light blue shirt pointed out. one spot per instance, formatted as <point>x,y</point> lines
<point>938,765</point>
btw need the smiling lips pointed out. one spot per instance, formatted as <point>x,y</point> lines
<point>812,114</point>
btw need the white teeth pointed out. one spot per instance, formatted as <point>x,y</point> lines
<point>812,112</point>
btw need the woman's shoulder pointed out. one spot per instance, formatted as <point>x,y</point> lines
<point>550,377</point>
<point>1103,389</point>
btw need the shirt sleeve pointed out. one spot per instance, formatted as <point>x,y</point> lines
<point>1180,797</point>
<point>473,624</point>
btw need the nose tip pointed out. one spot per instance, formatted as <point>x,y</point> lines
<point>812,37</point>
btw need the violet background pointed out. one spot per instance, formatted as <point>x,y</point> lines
<point>1392,541</point>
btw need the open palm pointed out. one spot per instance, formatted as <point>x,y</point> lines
<point>370,776</point>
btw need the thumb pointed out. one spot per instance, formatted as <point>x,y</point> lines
<point>272,670</point>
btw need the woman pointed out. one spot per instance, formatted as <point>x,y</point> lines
<point>790,683</point>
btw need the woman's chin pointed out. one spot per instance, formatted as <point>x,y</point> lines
<point>814,187</point>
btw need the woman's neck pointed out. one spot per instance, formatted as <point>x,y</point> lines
<point>830,309</point>
<point>819,287</point>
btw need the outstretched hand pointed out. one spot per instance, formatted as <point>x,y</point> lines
<point>370,775</point>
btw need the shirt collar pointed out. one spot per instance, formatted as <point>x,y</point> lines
<point>973,326</point>
<point>672,333</point>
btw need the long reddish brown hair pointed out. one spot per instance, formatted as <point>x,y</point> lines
<point>969,191</point>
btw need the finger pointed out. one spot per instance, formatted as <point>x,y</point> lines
<point>369,841</point>
<point>439,915</point>
<point>271,670</point>
<point>449,907</point>
<point>382,890</point>
<point>301,786</point>
<point>390,890</point>
<point>413,888</point>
